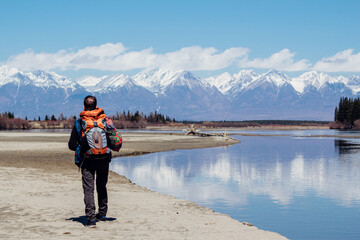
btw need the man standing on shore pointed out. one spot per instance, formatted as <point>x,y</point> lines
<point>89,140</point>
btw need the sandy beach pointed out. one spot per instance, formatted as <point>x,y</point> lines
<point>42,198</point>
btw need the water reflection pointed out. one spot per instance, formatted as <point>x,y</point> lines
<point>304,179</point>
<point>346,146</point>
<point>280,169</point>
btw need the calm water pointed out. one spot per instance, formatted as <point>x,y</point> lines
<point>300,187</point>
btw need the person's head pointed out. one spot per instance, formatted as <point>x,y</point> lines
<point>90,103</point>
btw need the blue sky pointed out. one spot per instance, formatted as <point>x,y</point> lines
<point>96,37</point>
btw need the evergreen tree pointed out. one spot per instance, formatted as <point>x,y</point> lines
<point>137,116</point>
<point>9,114</point>
<point>336,114</point>
<point>61,117</point>
<point>341,112</point>
<point>355,110</point>
<point>348,111</point>
<point>348,104</point>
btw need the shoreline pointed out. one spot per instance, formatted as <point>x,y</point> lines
<point>256,128</point>
<point>42,194</point>
<point>181,128</point>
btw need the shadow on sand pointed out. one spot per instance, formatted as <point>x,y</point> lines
<point>83,220</point>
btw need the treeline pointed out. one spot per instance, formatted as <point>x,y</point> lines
<point>8,121</point>
<point>347,114</point>
<point>140,120</point>
<point>61,117</point>
<point>121,121</point>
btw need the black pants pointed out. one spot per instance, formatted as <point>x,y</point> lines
<point>90,168</point>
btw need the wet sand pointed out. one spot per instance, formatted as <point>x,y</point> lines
<point>42,198</point>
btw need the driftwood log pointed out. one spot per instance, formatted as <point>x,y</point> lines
<point>194,131</point>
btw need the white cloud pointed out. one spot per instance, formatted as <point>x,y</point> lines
<point>116,57</point>
<point>65,59</point>
<point>344,61</point>
<point>197,58</point>
<point>283,60</point>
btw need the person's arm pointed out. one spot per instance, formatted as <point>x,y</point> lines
<point>74,139</point>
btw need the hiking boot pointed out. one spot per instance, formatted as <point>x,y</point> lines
<point>100,218</point>
<point>91,223</point>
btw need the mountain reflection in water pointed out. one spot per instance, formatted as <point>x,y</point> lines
<point>285,174</point>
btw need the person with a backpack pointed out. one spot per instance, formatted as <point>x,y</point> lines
<point>92,138</point>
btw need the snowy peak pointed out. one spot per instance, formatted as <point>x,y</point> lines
<point>155,79</point>
<point>275,77</point>
<point>90,81</point>
<point>7,72</point>
<point>354,83</point>
<point>355,80</point>
<point>186,78</point>
<point>221,81</point>
<point>158,80</point>
<point>314,79</point>
<point>111,83</point>
<point>226,82</point>
<point>116,80</point>
<point>245,77</point>
<point>37,78</point>
<point>50,79</point>
<point>272,77</point>
<point>8,75</point>
<point>106,83</point>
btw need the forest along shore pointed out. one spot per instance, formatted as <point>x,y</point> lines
<point>42,197</point>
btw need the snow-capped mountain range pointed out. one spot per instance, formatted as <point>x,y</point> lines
<point>180,94</point>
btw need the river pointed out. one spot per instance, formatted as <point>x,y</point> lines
<point>299,185</point>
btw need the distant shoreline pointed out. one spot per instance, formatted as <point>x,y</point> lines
<point>21,124</point>
<point>206,128</point>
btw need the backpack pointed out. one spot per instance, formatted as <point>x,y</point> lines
<point>99,135</point>
<point>94,129</point>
